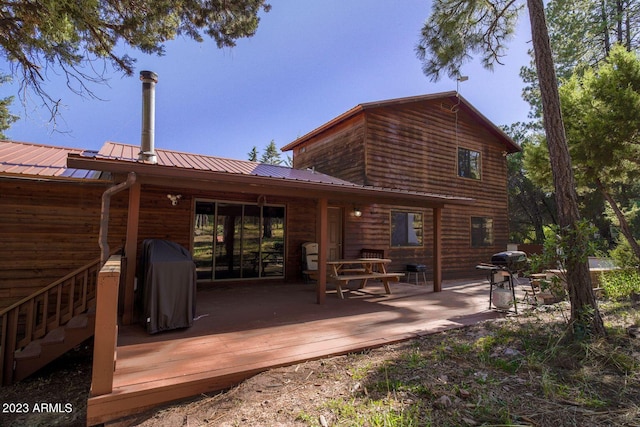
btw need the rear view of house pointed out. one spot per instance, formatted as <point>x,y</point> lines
<point>418,180</point>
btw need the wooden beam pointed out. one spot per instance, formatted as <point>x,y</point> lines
<point>131,253</point>
<point>437,249</point>
<point>323,240</point>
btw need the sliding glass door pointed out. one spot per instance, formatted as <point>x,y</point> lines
<point>236,241</point>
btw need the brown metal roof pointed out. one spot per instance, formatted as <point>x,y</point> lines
<point>174,168</point>
<point>511,146</point>
<point>170,158</point>
<point>42,161</point>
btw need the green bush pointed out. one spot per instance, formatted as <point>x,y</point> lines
<point>620,284</point>
<point>623,255</point>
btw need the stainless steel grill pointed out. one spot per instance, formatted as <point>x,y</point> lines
<point>501,271</point>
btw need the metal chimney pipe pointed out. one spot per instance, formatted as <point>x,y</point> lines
<point>147,150</point>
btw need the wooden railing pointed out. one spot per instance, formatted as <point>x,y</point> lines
<point>49,308</point>
<point>106,336</point>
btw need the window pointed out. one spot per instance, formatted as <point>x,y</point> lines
<point>481,232</point>
<point>468,163</point>
<point>406,228</point>
<point>235,240</point>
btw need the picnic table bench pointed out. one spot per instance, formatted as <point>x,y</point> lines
<point>363,269</point>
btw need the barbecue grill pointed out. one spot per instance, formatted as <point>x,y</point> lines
<point>501,272</point>
<point>512,261</point>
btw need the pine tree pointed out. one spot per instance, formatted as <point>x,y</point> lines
<point>271,155</point>
<point>457,28</point>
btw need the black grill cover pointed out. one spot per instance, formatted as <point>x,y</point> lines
<point>511,260</point>
<point>169,293</point>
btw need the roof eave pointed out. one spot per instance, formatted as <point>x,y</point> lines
<point>269,185</point>
<point>511,146</point>
<point>336,120</point>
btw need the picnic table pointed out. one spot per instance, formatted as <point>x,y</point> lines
<point>363,269</point>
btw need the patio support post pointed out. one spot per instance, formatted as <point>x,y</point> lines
<point>323,208</point>
<point>105,340</point>
<point>437,249</point>
<point>131,253</point>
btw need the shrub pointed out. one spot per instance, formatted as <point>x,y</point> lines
<point>620,284</point>
<point>623,255</point>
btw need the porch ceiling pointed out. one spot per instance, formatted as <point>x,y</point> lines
<point>301,187</point>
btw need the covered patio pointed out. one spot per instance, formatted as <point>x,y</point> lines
<point>241,331</point>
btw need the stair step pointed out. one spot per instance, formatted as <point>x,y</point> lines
<point>31,351</point>
<point>56,336</point>
<point>78,322</point>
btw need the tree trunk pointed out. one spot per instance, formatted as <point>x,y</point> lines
<point>629,30</point>
<point>605,27</point>
<point>619,16</point>
<point>624,225</point>
<point>584,308</point>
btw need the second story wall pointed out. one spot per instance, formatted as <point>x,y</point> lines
<point>415,147</point>
<point>337,152</point>
<point>426,144</point>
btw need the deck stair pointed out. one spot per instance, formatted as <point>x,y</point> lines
<point>57,342</point>
<point>43,326</point>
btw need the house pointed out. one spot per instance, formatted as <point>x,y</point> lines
<point>436,143</point>
<point>56,220</point>
<point>427,174</point>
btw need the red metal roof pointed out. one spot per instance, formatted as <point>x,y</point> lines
<point>121,158</point>
<point>38,160</point>
<point>126,152</point>
<point>22,159</point>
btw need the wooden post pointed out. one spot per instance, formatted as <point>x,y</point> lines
<point>131,252</point>
<point>9,334</point>
<point>323,240</point>
<point>437,249</point>
<point>106,332</point>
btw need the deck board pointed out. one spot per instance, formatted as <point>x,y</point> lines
<point>241,332</point>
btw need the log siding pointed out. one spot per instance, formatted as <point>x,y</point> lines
<point>48,229</point>
<point>414,146</point>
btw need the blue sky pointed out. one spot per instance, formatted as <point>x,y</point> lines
<point>309,61</point>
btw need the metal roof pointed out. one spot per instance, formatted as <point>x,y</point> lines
<point>42,161</point>
<point>170,158</point>
<point>175,167</point>
<point>39,161</point>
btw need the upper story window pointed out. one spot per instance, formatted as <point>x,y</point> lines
<point>468,163</point>
<point>406,228</point>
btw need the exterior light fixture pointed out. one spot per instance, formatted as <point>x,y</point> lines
<point>357,212</point>
<point>174,198</point>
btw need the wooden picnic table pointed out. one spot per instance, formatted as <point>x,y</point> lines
<point>363,269</point>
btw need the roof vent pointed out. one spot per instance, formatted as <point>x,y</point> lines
<point>147,150</point>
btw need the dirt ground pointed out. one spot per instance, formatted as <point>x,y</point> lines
<point>444,375</point>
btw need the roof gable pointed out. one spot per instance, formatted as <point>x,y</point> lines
<point>451,96</point>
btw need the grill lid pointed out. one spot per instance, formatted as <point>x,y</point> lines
<point>513,260</point>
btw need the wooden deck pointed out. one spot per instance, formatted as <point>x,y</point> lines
<point>242,331</point>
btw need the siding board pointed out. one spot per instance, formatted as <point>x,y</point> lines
<point>50,228</point>
<point>414,146</point>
